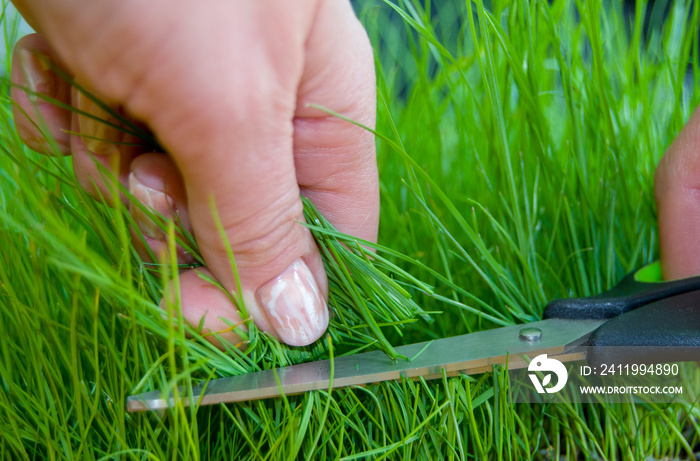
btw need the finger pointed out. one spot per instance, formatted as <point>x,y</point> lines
<point>335,161</point>
<point>232,139</point>
<point>102,149</point>
<point>206,304</point>
<point>677,189</point>
<point>41,125</point>
<point>156,184</point>
<point>282,276</point>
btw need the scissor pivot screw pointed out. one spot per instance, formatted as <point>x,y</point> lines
<point>530,334</point>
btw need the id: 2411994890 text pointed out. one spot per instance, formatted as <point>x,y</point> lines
<point>635,369</point>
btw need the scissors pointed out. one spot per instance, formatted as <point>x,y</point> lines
<point>647,316</point>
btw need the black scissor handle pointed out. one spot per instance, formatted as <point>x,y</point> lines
<point>667,330</point>
<point>635,290</point>
<point>651,321</point>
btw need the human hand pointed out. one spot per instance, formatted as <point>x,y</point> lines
<point>225,87</point>
<point>677,188</point>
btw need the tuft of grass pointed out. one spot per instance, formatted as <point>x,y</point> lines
<point>516,142</point>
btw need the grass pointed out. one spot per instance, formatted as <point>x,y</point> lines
<point>517,143</point>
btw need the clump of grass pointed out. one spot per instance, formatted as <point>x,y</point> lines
<point>517,143</point>
<point>367,290</point>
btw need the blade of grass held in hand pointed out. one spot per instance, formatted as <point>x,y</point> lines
<point>362,293</point>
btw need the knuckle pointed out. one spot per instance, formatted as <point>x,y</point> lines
<point>258,239</point>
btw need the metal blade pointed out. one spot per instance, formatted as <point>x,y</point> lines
<point>471,354</point>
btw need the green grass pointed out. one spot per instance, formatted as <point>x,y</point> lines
<point>517,143</point>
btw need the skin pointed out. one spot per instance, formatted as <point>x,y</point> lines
<point>677,189</point>
<point>225,87</point>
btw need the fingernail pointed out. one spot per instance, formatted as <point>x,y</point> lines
<point>152,198</point>
<point>294,305</point>
<point>98,137</point>
<point>37,74</point>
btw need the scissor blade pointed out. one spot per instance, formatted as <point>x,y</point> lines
<point>472,353</point>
